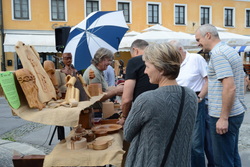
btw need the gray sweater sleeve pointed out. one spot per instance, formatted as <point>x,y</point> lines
<point>136,118</point>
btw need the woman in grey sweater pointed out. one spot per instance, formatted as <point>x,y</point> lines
<point>153,115</point>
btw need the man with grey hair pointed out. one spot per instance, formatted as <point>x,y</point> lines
<point>193,74</point>
<point>225,96</point>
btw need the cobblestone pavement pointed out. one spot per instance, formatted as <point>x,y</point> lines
<point>31,127</point>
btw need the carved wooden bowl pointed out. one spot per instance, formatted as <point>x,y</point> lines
<point>99,145</point>
<point>110,128</point>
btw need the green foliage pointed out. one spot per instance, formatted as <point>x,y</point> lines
<point>10,138</point>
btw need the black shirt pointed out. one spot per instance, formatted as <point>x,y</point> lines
<point>135,70</point>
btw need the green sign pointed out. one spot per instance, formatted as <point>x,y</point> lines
<point>7,82</point>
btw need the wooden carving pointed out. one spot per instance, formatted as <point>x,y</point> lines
<point>94,89</point>
<point>49,67</point>
<point>30,60</point>
<point>72,92</point>
<point>27,82</point>
<point>91,75</point>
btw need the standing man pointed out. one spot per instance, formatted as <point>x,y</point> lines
<point>225,96</point>
<point>136,82</point>
<point>193,74</point>
<point>109,75</point>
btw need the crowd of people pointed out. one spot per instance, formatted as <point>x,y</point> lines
<point>177,108</point>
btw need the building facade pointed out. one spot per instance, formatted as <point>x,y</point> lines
<point>34,21</point>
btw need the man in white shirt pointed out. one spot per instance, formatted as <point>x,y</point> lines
<point>193,74</point>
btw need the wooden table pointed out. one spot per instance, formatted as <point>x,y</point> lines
<point>61,156</point>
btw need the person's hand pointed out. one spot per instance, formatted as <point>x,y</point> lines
<point>119,89</point>
<point>222,126</point>
<point>121,121</point>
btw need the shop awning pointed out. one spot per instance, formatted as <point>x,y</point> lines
<point>41,42</point>
<point>242,48</point>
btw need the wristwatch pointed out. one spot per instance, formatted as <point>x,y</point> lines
<point>200,98</point>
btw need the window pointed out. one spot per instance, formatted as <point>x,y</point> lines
<point>205,15</point>
<point>125,7</point>
<point>248,18</point>
<point>229,17</point>
<point>91,6</point>
<point>58,10</point>
<point>21,9</point>
<point>153,13</point>
<point>180,14</point>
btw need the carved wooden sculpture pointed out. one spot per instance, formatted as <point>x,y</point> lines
<point>30,60</point>
<point>91,75</point>
<point>94,89</point>
<point>72,92</point>
<point>49,67</point>
<point>27,82</point>
<point>84,84</point>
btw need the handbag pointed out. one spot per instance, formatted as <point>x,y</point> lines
<point>167,150</point>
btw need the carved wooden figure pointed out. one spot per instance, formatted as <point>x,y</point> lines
<point>30,60</point>
<point>27,82</point>
<point>49,67</point>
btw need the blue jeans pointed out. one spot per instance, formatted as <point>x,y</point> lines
<point>198,136</point>
<point>208,142</point>
<point>225,147</point>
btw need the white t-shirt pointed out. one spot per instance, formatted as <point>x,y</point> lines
<point>192,72</point>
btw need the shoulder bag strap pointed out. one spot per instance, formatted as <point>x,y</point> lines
<point>174,130</point>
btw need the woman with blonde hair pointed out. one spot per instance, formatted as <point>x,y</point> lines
<point>160,123</point>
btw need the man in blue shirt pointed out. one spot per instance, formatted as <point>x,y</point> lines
<point>225,96</point>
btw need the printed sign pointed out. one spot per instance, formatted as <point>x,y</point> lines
<point>7,82</point>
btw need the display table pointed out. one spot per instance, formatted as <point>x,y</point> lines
<point>61,156</point>
<point>61,116</point>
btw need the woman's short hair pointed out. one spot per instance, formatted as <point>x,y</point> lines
<point>102,54</point>
<point>165,58</point>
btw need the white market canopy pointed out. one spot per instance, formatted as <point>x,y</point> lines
<point>41,42</point>
<point>127,40</point>
<point>157,27</point>
<point>159,34</point>
<point>233,39</point>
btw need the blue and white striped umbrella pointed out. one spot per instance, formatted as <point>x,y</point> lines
<point>100,29</point>
<point>242,48</point>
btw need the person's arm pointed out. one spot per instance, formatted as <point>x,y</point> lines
<point>139,114</point>
<point>202,66</point>
<point>228,95</point>
<point>115,91</point>
<point>127,98</point>
<point>204,90</point>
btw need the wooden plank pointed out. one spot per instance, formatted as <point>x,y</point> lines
<point>30,60</point>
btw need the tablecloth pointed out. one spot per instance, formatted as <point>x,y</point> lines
<point>61,116</point>
<point>61,156</point>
